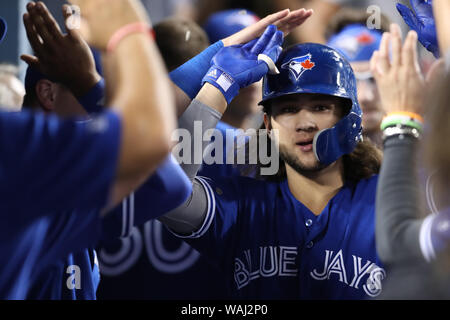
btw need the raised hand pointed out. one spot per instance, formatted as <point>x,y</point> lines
<point>64,58</point>
<point>97,16</point>
<point>238,66</point>
<point>400,81</point>
<point>284,20</point>
<point>421,20</point>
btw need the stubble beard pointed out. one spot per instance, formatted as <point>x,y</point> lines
<point>295,163</point>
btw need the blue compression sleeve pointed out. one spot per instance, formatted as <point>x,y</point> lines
<point>166,190</point>
<point>92,101</point>
<point>189,76</point>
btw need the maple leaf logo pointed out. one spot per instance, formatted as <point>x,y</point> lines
<point>299,65</point>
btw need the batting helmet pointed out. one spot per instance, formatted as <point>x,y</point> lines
<point>356,42</point>
<point>225,23</point>
<point>316,68</point>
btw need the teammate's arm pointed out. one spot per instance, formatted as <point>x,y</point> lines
<point>400,234</point>
<point>441,10</point>
<point>137,88</point>
<point>116,151</point>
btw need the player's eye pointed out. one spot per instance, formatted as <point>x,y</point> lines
<point>289,109</point>
<point>320,108</point>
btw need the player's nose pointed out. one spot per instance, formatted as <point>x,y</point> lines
<point>305,122</point>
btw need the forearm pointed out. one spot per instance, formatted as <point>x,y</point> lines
<point>204,112</point>
<point>141,94</point>
<point>187,79</point>
<point>397,203</point>
<point>441,9</point>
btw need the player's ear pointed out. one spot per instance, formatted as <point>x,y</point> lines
<point>267,122</point>
<point>46,94</point>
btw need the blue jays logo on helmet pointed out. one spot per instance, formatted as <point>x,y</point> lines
<point>298,65</point>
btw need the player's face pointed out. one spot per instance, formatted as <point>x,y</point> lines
<point>298,118</point>
<point>368,97</point>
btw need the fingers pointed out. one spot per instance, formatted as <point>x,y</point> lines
<point>396,41</point>
<point>293,20</point>
<point>374,64</point>
<point>38,22</point>
<point>409,52</point>
<point>32,34</point>
<point>29,59</point>
<point>275,41</point>
<point>50,22</point>
<point>262,42</point>
<point>272,18</point>
<point>383,64</point>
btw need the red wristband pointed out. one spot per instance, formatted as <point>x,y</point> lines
<point>119,35</point>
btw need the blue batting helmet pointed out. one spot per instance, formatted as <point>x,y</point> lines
<point>225,23</point>
<point>316,68</point>
<point>356,42</point>
<point>3,29</point>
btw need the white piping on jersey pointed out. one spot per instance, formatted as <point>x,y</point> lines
<point>131,215</point>
<point>210,212</point>
<point>124,218</point>
<point>211,208</point>
<point>426,245</point>
<point>429,190</point>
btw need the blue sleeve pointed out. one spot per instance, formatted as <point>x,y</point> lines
<point>167,189</point>
<point>68,232</point>
<point>49,165</point>
<point>92,101</point>
<point>188,77</point>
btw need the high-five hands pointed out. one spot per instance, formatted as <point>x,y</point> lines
<point>400,81</point>
<point>236,67</point>
<point>64,58</point>
<point>421,20</point>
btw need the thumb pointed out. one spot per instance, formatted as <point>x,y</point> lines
<point>32,61</point>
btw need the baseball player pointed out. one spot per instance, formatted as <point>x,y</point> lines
<point>309,231</point>
<point>152,263</point>
<point>31,188</point>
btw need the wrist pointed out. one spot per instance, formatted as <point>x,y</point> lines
<point>92,101</point>
<point>223,81</point>
<point>127,30</point>
<point>84,84</point>
<point>211,96</point>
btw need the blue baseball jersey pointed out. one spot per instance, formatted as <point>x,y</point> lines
<point>77,277</point>
<point>270,246</point>
<point>47,166</point>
